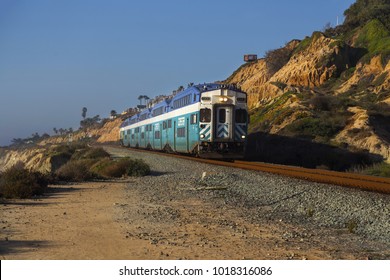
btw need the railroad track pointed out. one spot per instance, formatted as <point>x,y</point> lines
<point>366,182</point>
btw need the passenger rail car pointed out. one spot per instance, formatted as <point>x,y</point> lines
<point>209,120</point>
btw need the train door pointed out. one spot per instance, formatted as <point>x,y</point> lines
<point>188,135</point>
<point>223,122</point>
<point>142,142</point>
<point>161,136</point>
<point>174,136</point>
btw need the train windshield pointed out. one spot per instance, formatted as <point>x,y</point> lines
<point>222,115</point>
<point>205,115</point>
<point>241,116</point>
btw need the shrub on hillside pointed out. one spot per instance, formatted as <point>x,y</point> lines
<point>312,127</point>
<point>18,182</point>
<point>90,153</point>
<point>321,103</point>
<point>137,167</point>
<point>277,58</point>
<point>379,169</point>
<point>107,168</point>
<point>76,170</point>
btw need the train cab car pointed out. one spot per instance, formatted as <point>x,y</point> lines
<point>223,122</point>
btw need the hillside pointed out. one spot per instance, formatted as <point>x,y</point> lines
<point>331,88</point>
<point>42,155</point>
<point>108,132</point>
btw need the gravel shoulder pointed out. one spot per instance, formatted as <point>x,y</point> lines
<point>187,210</point>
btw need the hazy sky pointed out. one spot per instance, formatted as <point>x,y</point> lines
<point>59,56</point>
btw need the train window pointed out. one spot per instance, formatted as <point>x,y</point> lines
<point>143,116</point>
<point>169,123</point>
<point>164,125</point>
<point>241,116</point>
<point>181,132</point>
<point>132,136</point>
<point>205,98</point>
<point>158,111</point>
<point>222,115</point>
<point>157,135</point>
<point>142,135</point>
<point>183,101</point>
<point>194,119</point>
<point>205,115</point>
<point>241,99</point>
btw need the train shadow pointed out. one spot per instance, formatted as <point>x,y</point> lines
<point>305,153</point>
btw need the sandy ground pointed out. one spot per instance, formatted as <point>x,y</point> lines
<point>111,220</point>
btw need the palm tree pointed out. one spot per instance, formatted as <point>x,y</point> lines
<point>146,99</point>
<point>84,112</point>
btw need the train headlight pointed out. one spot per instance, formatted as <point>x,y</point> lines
<point>243,136</point>
<point>201,136</point>
<point>223,99</point>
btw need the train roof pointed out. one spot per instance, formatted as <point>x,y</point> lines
<point>134,117</point>
<point>214,86</point>
<point>147,111</point>
<point>130,120</point>
<point>187,91</point>
<point>181,99</point>
<point>162,103</point>
<point>196,89</point>
<point>208,87</point>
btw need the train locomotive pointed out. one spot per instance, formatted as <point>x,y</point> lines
<point>206,120</point>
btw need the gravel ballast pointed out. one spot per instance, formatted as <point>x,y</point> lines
<point>268,197</point>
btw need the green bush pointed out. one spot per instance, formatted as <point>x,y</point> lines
<point>312,127</point>
<point>95,153</point>
<point>137,167</point>
<point>107,168</point>
<point>90,153</point>
<point>76,170</point>
<point>379,169</point>
<point>18,182</point>
<point>303,45</point>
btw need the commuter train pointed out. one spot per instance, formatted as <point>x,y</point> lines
<point>206,120</point>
